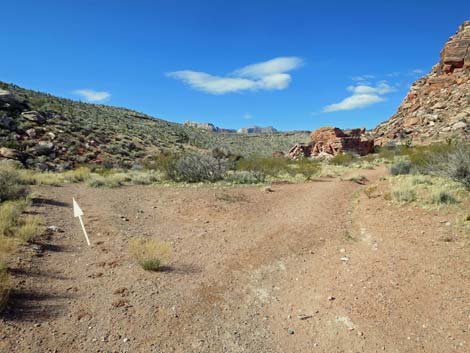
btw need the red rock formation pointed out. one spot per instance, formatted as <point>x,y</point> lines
<point>437,106</point>
<point>330,141</point>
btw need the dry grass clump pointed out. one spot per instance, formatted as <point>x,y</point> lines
<point>11,185</point>
<point>403,193</point>
<point>150,253</point>
<point>5,285</point>
<point>443,197</point>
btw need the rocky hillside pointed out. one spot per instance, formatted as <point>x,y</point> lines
<point>50,133</point>
<point>438,104</point>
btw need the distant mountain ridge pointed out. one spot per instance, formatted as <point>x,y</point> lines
<point>437,106</point>
<point>244,130</point>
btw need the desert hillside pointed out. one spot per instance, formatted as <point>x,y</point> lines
<point>52,133</point>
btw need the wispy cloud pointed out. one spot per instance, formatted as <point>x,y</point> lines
<point>362,96</point>
<point>267,75</point>
<point>92,95</point>
<point>247,116</point>
<point>362,78</point>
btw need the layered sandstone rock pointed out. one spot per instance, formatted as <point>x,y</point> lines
<point>437,106</point>
<point>330,141</point>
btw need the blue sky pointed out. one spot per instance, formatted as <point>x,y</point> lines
<point>291,64</point>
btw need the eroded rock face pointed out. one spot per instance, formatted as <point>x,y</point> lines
<point>437,106</point>
<point>330,141</point>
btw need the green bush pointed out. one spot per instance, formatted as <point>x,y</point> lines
<point>246,177</point>
<point>401,168</point>
<point>268,166</point>
<point>11,187</point>
<point>443,197</point>
<point>307,167</point>
<point>450,162</point>
<point>343,159</point>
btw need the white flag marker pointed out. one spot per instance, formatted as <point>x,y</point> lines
<point>77,212</point>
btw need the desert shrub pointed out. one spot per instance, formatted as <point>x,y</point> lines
<point>150,253</point>
<point>28,229</point>
<point>401,168</point>
<point>246,177</point>
<point>451,163</point>
<point>307,167</point>
<point>268,166</point>
<point>11,187</point>
<point>442,197</point>
<point>343,159</point>
<point>194,168</point>
<point>403,193</point>
<point>163,162</point>
<point>358,179</point>
<point>145,178</point>
<point>77,175</point>
<point>109,180</point>
<point>10,213</point>
<point>5,285</point>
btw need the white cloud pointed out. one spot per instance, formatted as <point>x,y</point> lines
<point>268,75</point>
<point>93,96</point>
<point>247,116</point>
<point>270,67</point>
<point>354,102</point>
<point>362,96</point>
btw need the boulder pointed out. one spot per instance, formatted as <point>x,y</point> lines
<point>34,116</point>
<point>10,153</point>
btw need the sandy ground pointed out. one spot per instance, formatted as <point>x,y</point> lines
<point>314,267</point>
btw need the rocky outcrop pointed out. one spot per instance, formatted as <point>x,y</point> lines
<point>207,126</point>
<point>330,141</point>
<point>437,106</point>
<point>256,130</point>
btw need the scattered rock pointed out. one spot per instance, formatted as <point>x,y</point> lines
<point>55,229</point>
<point>290,331</point>
<point>34,116</point>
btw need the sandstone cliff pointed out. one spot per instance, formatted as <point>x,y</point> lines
<point>437,106</point>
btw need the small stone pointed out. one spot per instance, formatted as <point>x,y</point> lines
<point>125,340</point>
<point>331,298</point>
<point>290,331</point>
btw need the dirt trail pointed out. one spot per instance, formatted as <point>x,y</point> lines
<point>313,267</point>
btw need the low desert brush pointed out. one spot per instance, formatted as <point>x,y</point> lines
<point>5,285</point>
<point>403,193</point>
<point>442,197</point>
<point>150,253</point>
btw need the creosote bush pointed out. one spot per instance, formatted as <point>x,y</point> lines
<point>195,168</point>
<point>343,159</point>
<point>150,253</point>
